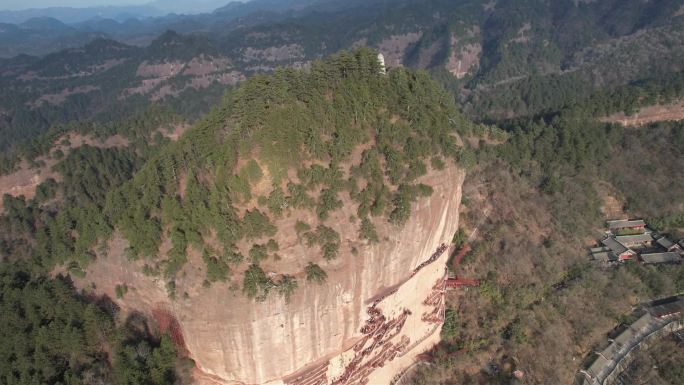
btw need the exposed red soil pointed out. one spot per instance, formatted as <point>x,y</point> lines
<point>167,323</point>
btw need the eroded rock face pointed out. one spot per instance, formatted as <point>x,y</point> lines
<point>377,310</point>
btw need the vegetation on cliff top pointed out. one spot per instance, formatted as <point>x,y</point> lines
<point>293,131</point>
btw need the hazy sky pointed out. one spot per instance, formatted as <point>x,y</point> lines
<point>23,4</point>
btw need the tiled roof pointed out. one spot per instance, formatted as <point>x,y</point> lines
<point>632,239</point>
<point>625,224</point>
<point>614,245</point>
<point>655,258</point>
<point>664,242</point>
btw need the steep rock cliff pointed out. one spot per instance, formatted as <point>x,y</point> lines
<point>379,307</point>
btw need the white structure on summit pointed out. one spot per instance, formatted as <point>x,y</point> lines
<point>381,60</point>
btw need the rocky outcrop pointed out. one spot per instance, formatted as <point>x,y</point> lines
<point>380,306</point>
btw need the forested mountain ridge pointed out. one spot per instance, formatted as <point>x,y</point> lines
<point>105,80</point>
<point>44,31</point>
<point>488,53</point>
<point>173,63</point>
<point>292,134</point>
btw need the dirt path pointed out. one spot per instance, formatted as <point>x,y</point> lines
<point>473,234</point>
<point>651,114</point>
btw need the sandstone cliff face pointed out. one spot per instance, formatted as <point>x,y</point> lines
<point>376,311</point>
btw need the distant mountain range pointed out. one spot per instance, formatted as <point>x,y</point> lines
<point>43,31</point>
<point>72,15</point>
<point>489,55</point>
